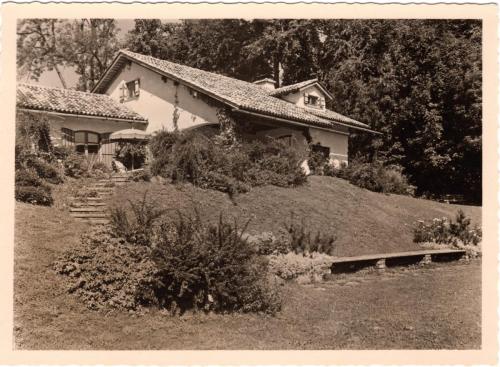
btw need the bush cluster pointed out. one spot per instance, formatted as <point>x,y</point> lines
<point>79,166</point>
<point>304,241</point>
<point>296,237</point>
<point>46,170</point>
<point>38,195</point>
<point>212,267</point>
<point>373,176</point>
<point>177,263</point>
<point>445,231</point>
<point>211,163</point>
<point>136,224</point>
<point>305,269</point>
<point>108,272</point>
<point>131,155</point>
<point>34,163</point>
<point>141,175</point>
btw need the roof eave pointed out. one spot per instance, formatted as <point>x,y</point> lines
<point>68,113</point>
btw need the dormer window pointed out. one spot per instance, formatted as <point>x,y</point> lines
<point>314,101</point>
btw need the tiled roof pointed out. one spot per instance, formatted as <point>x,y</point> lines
<point>335,116</point>
<point>241,95</point>
<point>298,86</point>
<point>292,87</point>
<point>73,102</point>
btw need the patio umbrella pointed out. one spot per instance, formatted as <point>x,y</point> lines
<point>129,134</point>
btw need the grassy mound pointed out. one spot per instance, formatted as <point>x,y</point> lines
<point>365,222</point>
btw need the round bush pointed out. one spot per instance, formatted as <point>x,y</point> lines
<point>27,178</point>
<point>34,195</point>
<point>45,170</point>
<point>107,272</point>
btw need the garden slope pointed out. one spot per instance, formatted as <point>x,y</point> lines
<point>365,222</point>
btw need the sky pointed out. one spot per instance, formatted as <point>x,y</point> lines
<point>50,78</point>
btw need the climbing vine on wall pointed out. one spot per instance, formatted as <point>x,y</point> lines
<point>228,136</point>
<point>176,113</point>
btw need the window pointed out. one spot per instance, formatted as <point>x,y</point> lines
<point>314,101</point>
<point>67,136</point>
<point>130,90</point>
<point>324,151</point>
<point>87,142</point>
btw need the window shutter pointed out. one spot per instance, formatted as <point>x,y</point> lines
<point>322,102</point>
<point>306,98</point>
<point>137,87</point>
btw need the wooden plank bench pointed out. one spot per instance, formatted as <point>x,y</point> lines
<point>380,261</point>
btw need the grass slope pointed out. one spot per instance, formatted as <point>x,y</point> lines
<point>438,306</point>
<point>365,222</point>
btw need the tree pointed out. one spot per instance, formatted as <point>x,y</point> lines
<point>88,45</point>
<point>39,48</point>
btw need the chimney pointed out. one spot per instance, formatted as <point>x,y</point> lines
<point>266,83</point>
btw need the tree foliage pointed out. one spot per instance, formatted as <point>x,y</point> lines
<point>86,45</point>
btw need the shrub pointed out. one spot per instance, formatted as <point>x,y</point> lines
<point>45,170</point>
<point>186,264</point>
<point>141,175</point>
<point>267,243</point>
<point>138,227</point>
<point>318,163</point>
<point>374,176</point>
<point>78,166</point>
<point>211,267</point>
<point>307,269</point>
<point>107,272</point>
<point>75,165</point>
<point>33,132</point>
<point>27,178</point>
<point>39,195</point>
<point>230,168</point>
<point>304,241</point>
<point>62,152</point>
<point>445,231</point>
<point>132,155</point>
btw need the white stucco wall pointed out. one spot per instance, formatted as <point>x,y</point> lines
<point>158,100</point>
<point>77,123</point>
<point>299,141</point>
<point>337,142</point>
<point>297,98</point>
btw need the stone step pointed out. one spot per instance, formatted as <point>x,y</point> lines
<point>95,221</point>
<point>79,204</point>
<point>91,199</point>
<point>86,210</point>
<point>84,199</point>
<point>89,215</point>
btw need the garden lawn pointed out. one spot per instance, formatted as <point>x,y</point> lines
<point>365,222</point>
<point>433,307</point>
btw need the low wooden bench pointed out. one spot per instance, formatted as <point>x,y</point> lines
<point>380,261</point>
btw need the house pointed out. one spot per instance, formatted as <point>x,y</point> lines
<point>172,96</point>
<point>78,119</point>
<point>146,93</point>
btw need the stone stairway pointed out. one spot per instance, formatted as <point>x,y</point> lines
<point>91,206</point>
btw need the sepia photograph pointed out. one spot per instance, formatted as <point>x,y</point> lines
<point>248,184</point>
